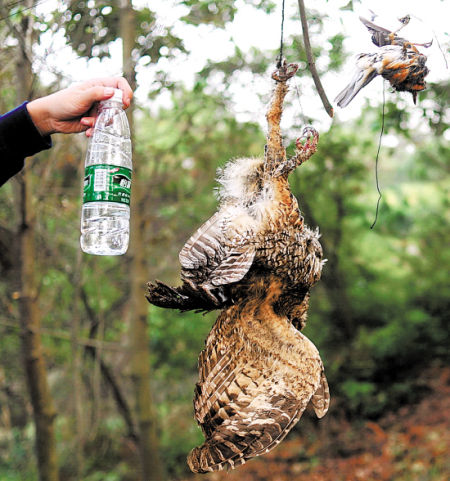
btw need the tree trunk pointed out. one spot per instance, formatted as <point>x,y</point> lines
<point>32,351</point>
<point>151,466</point>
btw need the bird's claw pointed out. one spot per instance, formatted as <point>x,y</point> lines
<point>285,71</point>
<point>405,20</point>
<point>308,140</point>
<point>306,146</point>
<point>426,44</point>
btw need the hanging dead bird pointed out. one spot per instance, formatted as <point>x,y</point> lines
<point>397,60</point>
<point>256,260</point>
<point>403,67</point>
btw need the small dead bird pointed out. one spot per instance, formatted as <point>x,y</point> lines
<point>397,60</point>
<point>256,260</point>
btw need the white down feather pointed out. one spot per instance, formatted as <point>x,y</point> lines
<point>241,186</point>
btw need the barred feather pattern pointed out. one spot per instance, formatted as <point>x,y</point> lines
<point>256,260</point>
<point>256,377</point>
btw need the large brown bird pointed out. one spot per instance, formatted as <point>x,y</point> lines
<point>256,260</point>
<point>397,60</point>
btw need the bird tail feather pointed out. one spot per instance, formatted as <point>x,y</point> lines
<point>213,456</point>
<point>183,298</point>
<point>360,80</point>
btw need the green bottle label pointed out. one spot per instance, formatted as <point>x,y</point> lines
<point>108,183</point>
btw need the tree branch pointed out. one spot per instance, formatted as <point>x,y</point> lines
<point>311,63</point>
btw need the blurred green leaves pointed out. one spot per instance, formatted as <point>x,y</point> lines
<point>379,314</point>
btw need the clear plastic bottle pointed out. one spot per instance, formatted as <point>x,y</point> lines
<point>105,216</point>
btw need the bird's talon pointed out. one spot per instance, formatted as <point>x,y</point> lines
<point>310,136</point>
<point>285,71</point>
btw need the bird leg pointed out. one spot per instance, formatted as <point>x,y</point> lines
<point>425,45</point>
<point>275,153</point>
<point>413,46</point>
<point>306,146</point>
<point>305,150</point>
<point>404,21</point>
<point>407,45</point>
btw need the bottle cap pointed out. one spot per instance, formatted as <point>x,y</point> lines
<point>117,96</point>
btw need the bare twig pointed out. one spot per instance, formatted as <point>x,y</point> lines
<point>312,66</point>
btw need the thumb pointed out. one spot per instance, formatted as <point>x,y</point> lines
<point>96,94</point>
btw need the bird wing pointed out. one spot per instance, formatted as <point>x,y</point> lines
<point>321,398</point>
<point>380,35</point>
<point>233,267</point>
<point>247,400</point>
<point>204,245</point>
<point>220,250</point>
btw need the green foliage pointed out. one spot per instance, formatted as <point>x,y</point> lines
<point>337,53</point>
<point>254,61</point>
<point>218,13</point>
<point>390,281</point>
<point>90,27</point>
<point>378,315</point>
<point>359,394</point>
<point>436,114</point>
<point>206,11</point>
<point>16,464</point>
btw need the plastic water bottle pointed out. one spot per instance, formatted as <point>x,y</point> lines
<point>105,216</point>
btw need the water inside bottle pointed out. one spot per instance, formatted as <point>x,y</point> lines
<point>105,228</point>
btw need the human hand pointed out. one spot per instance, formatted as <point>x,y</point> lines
<point>73,110</point>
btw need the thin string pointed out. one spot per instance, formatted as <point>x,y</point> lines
<point>376,162</point>
<point>280,56</point>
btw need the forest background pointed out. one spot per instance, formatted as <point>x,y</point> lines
<point>103,381</point>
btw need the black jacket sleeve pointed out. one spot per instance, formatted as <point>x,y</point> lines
<point>19,138</point>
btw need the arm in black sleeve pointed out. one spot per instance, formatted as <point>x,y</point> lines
<point>19,138</point>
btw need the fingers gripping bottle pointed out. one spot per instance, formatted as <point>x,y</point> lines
<point>105,217</point>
